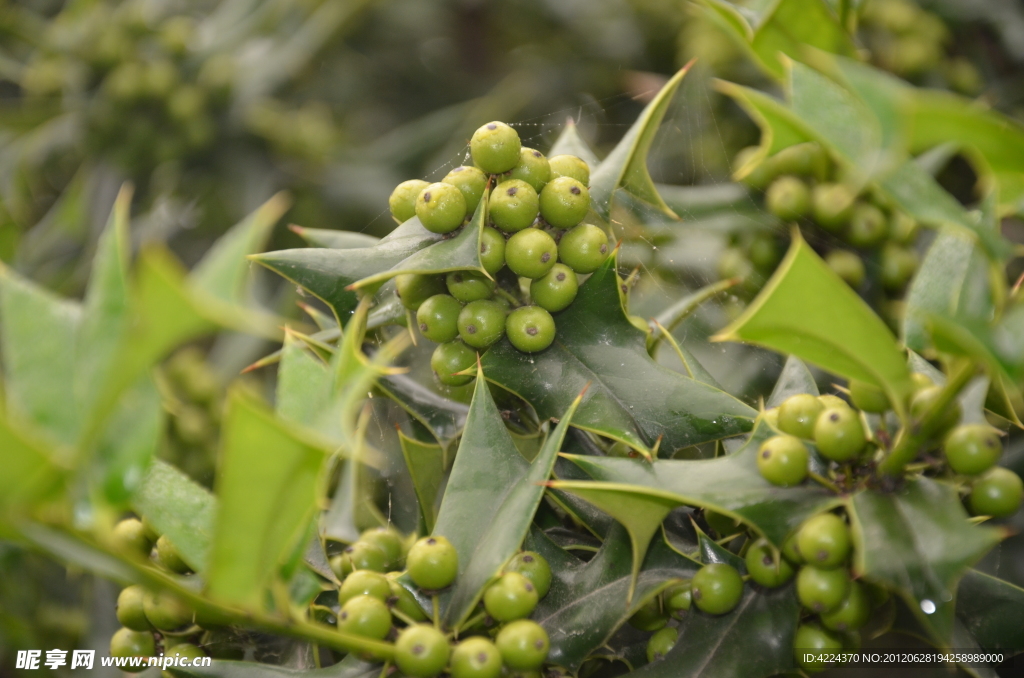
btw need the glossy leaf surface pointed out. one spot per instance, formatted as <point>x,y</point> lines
<point>427,464</point>
<point>992,610</point>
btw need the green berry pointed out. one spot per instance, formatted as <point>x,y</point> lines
<point>452,357</point>
<point>403,199</point>
<point>788,198</point>
<point>569,166</point>
<point>829,400</point>
<point>839,434</point>
<point>564,202</point>
<point>534,567</point>
<point>832,206</point>
<point>678,599</point>
<point>717,588</point>
<point>421,651</point>
<point>533,168</point>
<point>972,449</point>
<point>475,658</point>
<point>366,616</point>
<point>129,537</point>
<point>721,523</point>
<point>852,613</point>
<point>388,540</point>
<point>438,317</point>
<point>763,252</point>
<point>868,226</point>
<point>165,611</point>
<point>168,557</point>
<point>514,205</point>
<point>402,600</point>
<point>513,596</point>
<point>364,583</point>
<point>650,616</point>
<point>812,641</point>
<point>824,540</point>
<point>467,286</point>
<point>414,288</point>
<point>868,397</point>
<point>441,208</point>
<point>920,381</point>
<point>791,549</point>
<point>760,175</point>
<point>783,460</point>
<point>925,399</point>
<point>766,567</point>
<point>556,289</point>
<point>531,253</point>
<point>902,228</point>
<point>806,159</point>
<point>363,555</point>
<point>583,248</point>
<point>471,181</point>
<point>495,148</point>
<point>998,493</point>
<point>128,643</point>
<point>523,644</point>
<point>183,650</point>
<point>481,323</point>
<point>797,415</point>
<point>130,609</point>
<point>734,263</point>
<point>492,250</point>
<point>898,266</point>
<point>847,265</point>
<point>822,590</point>
<point>530,329</point>
<point>661,642</point>
<point>432,563</point>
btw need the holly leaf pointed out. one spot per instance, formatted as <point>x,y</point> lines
<point>626,165</point>
<point>427,463</point>
<point>334,239</point>
<point>710,552</point>
<point>918,542</point>
<point>180,508</point>
<point>780,128</point>
<point>795,378</point>
<point>490,499</point>
<point>808,311</point>
<point>569,142</point>
<point>442,416</point>
<point>631,398</point>
<point>29,471</point>
<point>588,601</point>
<point>992,610</point>
<point>936,286</point>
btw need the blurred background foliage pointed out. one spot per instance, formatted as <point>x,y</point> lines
<point>211,107</point>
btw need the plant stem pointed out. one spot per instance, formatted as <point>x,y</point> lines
<point>472,621</point>
<point>404,617</point>
<point>516,303</point>
<point>825,482</point>
<point>436,603</point>
<point>915,433</point>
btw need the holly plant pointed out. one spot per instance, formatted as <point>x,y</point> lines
<point>475,464</point>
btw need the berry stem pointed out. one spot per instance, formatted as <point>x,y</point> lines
<point>404,617</point>
<point>471,622</point>
<point>436,603</point>
<point>914,434</point>
<point>516,303</point>
<point>823,481</point>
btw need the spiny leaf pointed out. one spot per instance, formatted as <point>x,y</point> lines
<point>178,507</point>
<point>29,471</point>
<point>795,378</point>
<point>333,239</point>
<point>426,463</point>
<point>443,417</point>
<point>569,142</point>
<point>992,610</point>
<point>668,319</point>
<point>936,286</point>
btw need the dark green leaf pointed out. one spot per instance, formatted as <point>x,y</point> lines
<point>711,552</point>
<point>178,507</point>
<point>795,378</point>
<point>443,417</point>
<point>631,398</point>
<point>427,464</point>
<point>333,239</point>
<point>917,541</point>
<point>992,610</point>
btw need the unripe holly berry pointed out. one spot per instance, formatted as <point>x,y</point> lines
<point>452,357</point>
<point>471,181</point>
<point>788,198</point>
<point>403,199</point>
<point>388,540</point>
<point>764,252</point>
<point>972,448</point>
<point>734,263</point>
<point>128,643</point>
<point>798,413</point>
<point>530,329</point>
<point>414,288</point>
<point>812,644</point>
<point>569,166</point>
<point>791,549</point>
<point>677,599</point>
<point>852,613</point>
<point>832,206</point>
<point>130,538</point>
<point>421,651</point>
<point>131,609</point>
<point>475,657</point>
<point>839,434</point>
<point>783,460</point>
<point>441,207</point>
<point>767,567</point>
<point>402,600</point>
<point>660,643</point>
<point>533,168</point>
<point>650,616</point>
<point>822,590</point>
<point>168,557</point>
<point>481,323</point>
<point>165,611</point>
<point>513,596</point>
<point>514,205</point>
<point>898,266</point>
<point>438,317</point>
<point>432,563</point>
<point>716,588</point>
<point>806,159</point>
<point>903,229</point>
<point>183,651</point>
<point>924,400</point>
<point>364,583</point>
<point>467,286</point>
<point>523,644</point>
<point>365,616</point>
<point>534,567</point>
<point>868,226</point>
<point>829,400</point>
<point>583,248</point>
<point>531,253</point>
<point>495,148</point>
<point>759,176</point>
<point>998,493</point>
<point>824,540</point>
<point>564,202</point>
<point>556,289</point>
<point>868,397</point>
<point>847,265</point>
<point>492,250</point>
<point>364,556</point>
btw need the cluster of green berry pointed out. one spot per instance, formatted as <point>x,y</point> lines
<point>375,604</point>
<point>800,186</point>
<point>194,399</point>
<point>533,249</point>
<point>159,621</point>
